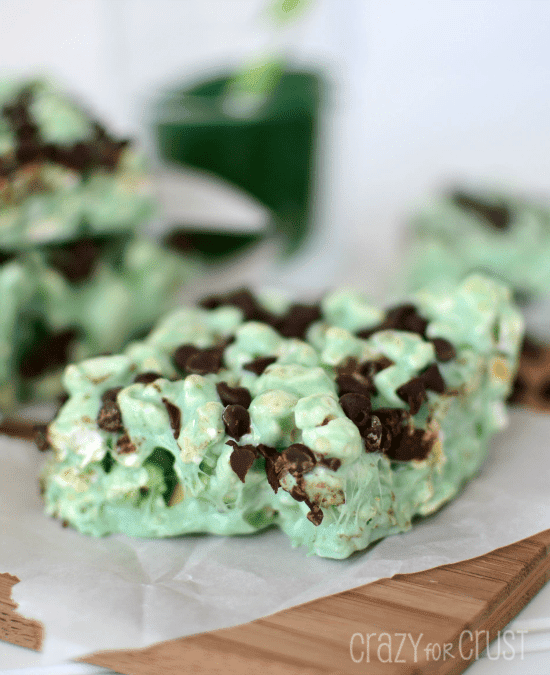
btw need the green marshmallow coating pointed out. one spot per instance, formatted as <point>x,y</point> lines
<point>154,478</point>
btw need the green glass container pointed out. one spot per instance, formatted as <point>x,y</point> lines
<point>270,153</point>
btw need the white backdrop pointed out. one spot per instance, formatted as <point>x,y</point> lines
<point>428,91</point>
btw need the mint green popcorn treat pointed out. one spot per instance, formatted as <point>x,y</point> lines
<point>487,232</point>
<point>337,422</point>
<point>70,301</point>
<point>75,280</point>
<point>62,175</point>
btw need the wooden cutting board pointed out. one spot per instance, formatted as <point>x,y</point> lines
<point>455,608</point>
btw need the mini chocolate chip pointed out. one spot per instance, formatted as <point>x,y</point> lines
<point>370,368</point>
<point>65,523</point>
<point>241,298</point>
<point>519,390</point>
<point>357,408</point>
<point>406,317</point>
<point>413,393</point>
<point>144,490</point>
<point>174,414</point>
<point>392,418</point>
<point>354,384</point>
<point>205,361</point>
<point>497,215</point>
<point>332,463</point>
<point>182,354</point>
<point>296,459</point>
<point>531,349</point>
<point>5,256</point>
<point>408,446</point>
<point>178,240</point>
<point>110,394</point>
<point>444,350</point>
<point>315,514</point>
<point>298,319</point>
<point>242,458</point>
<point>545,391</point>
<point>271,456</point>
<point>236,420</point>
<point>52,351</point>
<point>233,395</point>
<point>124,445</point>
<point>109,417</point>
<point>76,261</point>
<point>147,378</point>
<point>41,437</point>
<point>433,379</point>
<point>260,364</point>
<point>402,317</point>
<point>372,434</point>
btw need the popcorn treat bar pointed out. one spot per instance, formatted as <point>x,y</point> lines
<point>72,300</point>
<point>339,422</point>
<point>487,232</point>
<point>62,175</point>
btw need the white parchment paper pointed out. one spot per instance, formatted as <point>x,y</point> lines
<point>117,592</point>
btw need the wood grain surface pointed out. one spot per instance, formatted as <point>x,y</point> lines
<point>456,608</point>
<point>13,627</point>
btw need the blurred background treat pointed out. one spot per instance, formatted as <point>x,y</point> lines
<point>291,140</point>
<point>76,276</point>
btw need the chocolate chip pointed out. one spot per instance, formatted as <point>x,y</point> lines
<point>391,420</point>
<point>242,458</point>
<point>545,391</point>
<point>297,459</point>
<point>77,260</point>
<point>315,514</point>
<point>205,361</point>
<point>298,493</point>
<point>408,446</point>
<point>354,384</point>
<point>182,354</point>
<point>357,408</point>
<point>271,456</point>
<point>519,389</point>
<point>109,417</point>
<point>332,463</point>
<point>110,394</point>
<point>41,437</point>
<point>260,364</point>
<point>51,352</point>
<point>178,240</point>
<point>531,349</point>
<point>373,434</point>
<point>147,378</point>
<point>144,490</point>
<point>233,395</point>
<point>297,320</point>
<point>174,414</point>
<point>124,445</point>
<point>402,317</point>
<point>236,420</point>
<point>433,379</point>
<point>413,393</point>
<point>371,368</point>
<point>444,350</point>
<point>497,215</point>
<point>242,298</point>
